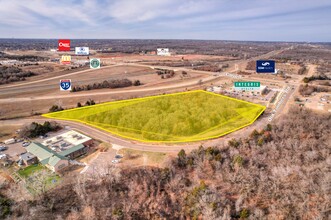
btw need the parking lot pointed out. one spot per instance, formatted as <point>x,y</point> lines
<point>13,150</point>
<point>99,165</point>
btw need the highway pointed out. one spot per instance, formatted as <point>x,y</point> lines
<point>50,84</point>
<point>107,137</point>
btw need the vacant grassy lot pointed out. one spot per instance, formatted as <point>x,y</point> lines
<point>179,117</point>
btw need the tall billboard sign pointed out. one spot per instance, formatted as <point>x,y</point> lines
<point>63,45</point>
<point>65,59</point>
<point>162,52</point>
<point>95,63</point>
<point>265,66</point>
<point>247,85</point>
<point>82,51</point>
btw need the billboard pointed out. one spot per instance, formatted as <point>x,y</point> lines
<point>247,85</point>
<point>65,84</point>
<point>63,45</point>
<point>82,51</point>
<point>65,59</point>
<point>162,52</point>
<point>265,66</point>
<point>94,63</point>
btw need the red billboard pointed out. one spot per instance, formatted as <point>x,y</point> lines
<point>64,45</point>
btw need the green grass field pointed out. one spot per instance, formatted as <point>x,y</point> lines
<point>179,117</point>
<point>27,171</point>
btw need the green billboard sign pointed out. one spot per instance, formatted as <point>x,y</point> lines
<point>247,85</point>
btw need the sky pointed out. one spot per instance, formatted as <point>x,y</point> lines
<point>247,20</point>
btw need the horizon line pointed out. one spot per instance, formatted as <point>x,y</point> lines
<point>175,39</point>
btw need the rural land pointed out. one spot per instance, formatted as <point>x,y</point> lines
<point>157,129</point>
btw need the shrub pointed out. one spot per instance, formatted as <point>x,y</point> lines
<point>55,108</point>
<point>238,160</point>
<point>244,213</point>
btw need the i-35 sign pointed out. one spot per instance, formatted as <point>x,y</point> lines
<point>65,84</point>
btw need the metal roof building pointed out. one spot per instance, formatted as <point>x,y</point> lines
<point>47,157</point>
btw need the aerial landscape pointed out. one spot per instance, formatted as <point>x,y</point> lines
<point>165,110</point>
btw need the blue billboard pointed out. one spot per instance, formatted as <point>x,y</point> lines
<point>265,66</point>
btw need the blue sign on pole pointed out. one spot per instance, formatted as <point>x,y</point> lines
<point>65,84</point>
<point>265,66</point>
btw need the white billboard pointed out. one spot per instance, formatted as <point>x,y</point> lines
<point>162,52</point>
<point>82,51</point>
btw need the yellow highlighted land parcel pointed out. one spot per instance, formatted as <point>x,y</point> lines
<point>178,117</point>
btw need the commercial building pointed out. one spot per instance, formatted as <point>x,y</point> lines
<point>47,157</point>
<point>28,159</point>
<point>67,140</point>
<point>56,152</point>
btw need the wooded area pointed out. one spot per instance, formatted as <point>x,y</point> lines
<point>13,74</point>
<point>284,176</point>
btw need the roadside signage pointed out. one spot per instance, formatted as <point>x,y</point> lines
<point>82,51</point>
<point>94,63</point>
<point>65,59</point>
<point>265,66</point>
<point>63,45</point>
<point>65,84</point>
<point>163,51</point>
<point>247,85</point>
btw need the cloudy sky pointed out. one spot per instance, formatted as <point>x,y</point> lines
<point>263,20</point>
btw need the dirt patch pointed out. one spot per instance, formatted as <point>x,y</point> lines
<point>143,158</point>
<point>7,131</point>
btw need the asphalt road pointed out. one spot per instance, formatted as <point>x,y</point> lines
<point>44,84</point>
<point>107,137</point>
<point>166,148</point>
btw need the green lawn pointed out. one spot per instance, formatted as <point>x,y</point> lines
<point>34,184</point>
<point>179,117</point>
<point>27,171</point>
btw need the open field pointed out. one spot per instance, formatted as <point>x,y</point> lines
<point>179,117</point>
<point>8,131</point>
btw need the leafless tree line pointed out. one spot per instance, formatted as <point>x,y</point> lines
<point>280,172</point>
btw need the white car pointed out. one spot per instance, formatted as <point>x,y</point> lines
<point>115,161</point>
<point>25,144</point>
<point>2,156</point>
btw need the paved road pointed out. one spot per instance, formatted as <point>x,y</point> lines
<point>167,148</point>
<point>211,77</point>
<point>112,92</point>
<point>52,78</point>
<point>106,137</point>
